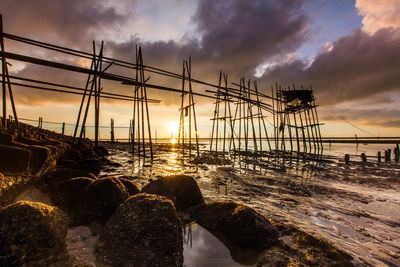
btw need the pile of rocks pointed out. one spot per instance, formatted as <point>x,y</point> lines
<point>136,227</point>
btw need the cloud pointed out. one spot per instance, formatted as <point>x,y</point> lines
<point>235,36</point>
<point>357,66</point>
<point>362,116</point>
<point>73,22</point>
<point>378,14</point>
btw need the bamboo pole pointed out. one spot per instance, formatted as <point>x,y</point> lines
<point>3,69</point>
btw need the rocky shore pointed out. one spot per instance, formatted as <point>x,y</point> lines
<point>135,226</point>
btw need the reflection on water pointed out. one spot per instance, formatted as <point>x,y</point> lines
<point>201,248</point>
<point>354,206</point>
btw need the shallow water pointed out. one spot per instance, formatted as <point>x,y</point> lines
<point>201,248</point>
<point>354,206</point>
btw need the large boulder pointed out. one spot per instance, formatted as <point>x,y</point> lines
<point>130,186</point>
<point>32,233</point>
<point>63,174</point>
<point>101,198</point>
<point>14,160</point>
<point>39,156</point>
<point>101,151</point>
<point>91,165</point>
<point>6,138</point>
<point>240,224</point>
<point>181,189</point>
<point>67,194</point>
<point>144,231</point>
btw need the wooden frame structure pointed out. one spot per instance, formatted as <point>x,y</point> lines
<point>187,110</point>
<point>295,127</point>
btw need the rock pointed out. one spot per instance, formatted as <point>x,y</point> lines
<point>238,223</point>
<point>91,165</point>
<point>130,186</point>
<point>28,141</point>
<point>39,156</point>
<point>144,231</point>
<point>14,160</point>
<point>101,198</point>
<point>66,194</point>
<point>32,233</point>
<point>6,138</point>
<point>101,151</point>
<point>181,189</point>
<point>63,174</point>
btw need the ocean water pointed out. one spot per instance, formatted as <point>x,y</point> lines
<point>355,206</point>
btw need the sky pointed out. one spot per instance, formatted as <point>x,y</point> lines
<point>348,50</point>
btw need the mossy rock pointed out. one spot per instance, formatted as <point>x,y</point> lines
<point>181,189</point>
<point>66,195</point>
<point>101,151</point>
<point>318,251</point>
<point>63,174</point>
<point>144,231</point>
<point>32,233</point>
<point>39,156</point>
<point>91,165</point>
<point>6,138</point>
<point>238,223</point>
<point>130,186</point>
<point>14,160</point>
<point>101,198</point>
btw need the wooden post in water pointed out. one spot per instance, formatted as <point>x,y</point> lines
<point>379,156</point>
<point>112,130</point>
<point>363,157</point>
<point>387,155</point>
<point>346,158</point>
<point>396,153</point>
<point>63,128</point>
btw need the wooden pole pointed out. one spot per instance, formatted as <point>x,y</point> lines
<point>250,107</point>
<point>274,116</point>
<point>97,97</point>
<point>231,122</point>
<point>225,117</point>
<point>63,128</point>
<point>296,128</point>
<point>11,95</point>
<point>217,110</point>
<point>194,111</point>
<point>145,100</point>
<point>182,119</point>
<point>3,69</point>
<point>92,87</point>
<point>112,131</point>
<point>215,116</point>
<point>83,97</point>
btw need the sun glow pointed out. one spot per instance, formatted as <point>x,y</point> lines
<point>173,141</point>
<point>173,127</point>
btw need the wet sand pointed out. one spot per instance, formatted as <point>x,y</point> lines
<point>353,206</point>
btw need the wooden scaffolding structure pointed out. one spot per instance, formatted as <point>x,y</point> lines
<point>187,110</point>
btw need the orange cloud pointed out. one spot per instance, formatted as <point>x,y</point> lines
<point>379,14</point>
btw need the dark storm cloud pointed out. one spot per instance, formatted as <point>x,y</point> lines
<point>370,117</point>
<point>240,35</point>
<point>236,37</point>
<point>71,22</point>
<point>358,66</point>
<point>233,36</point>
